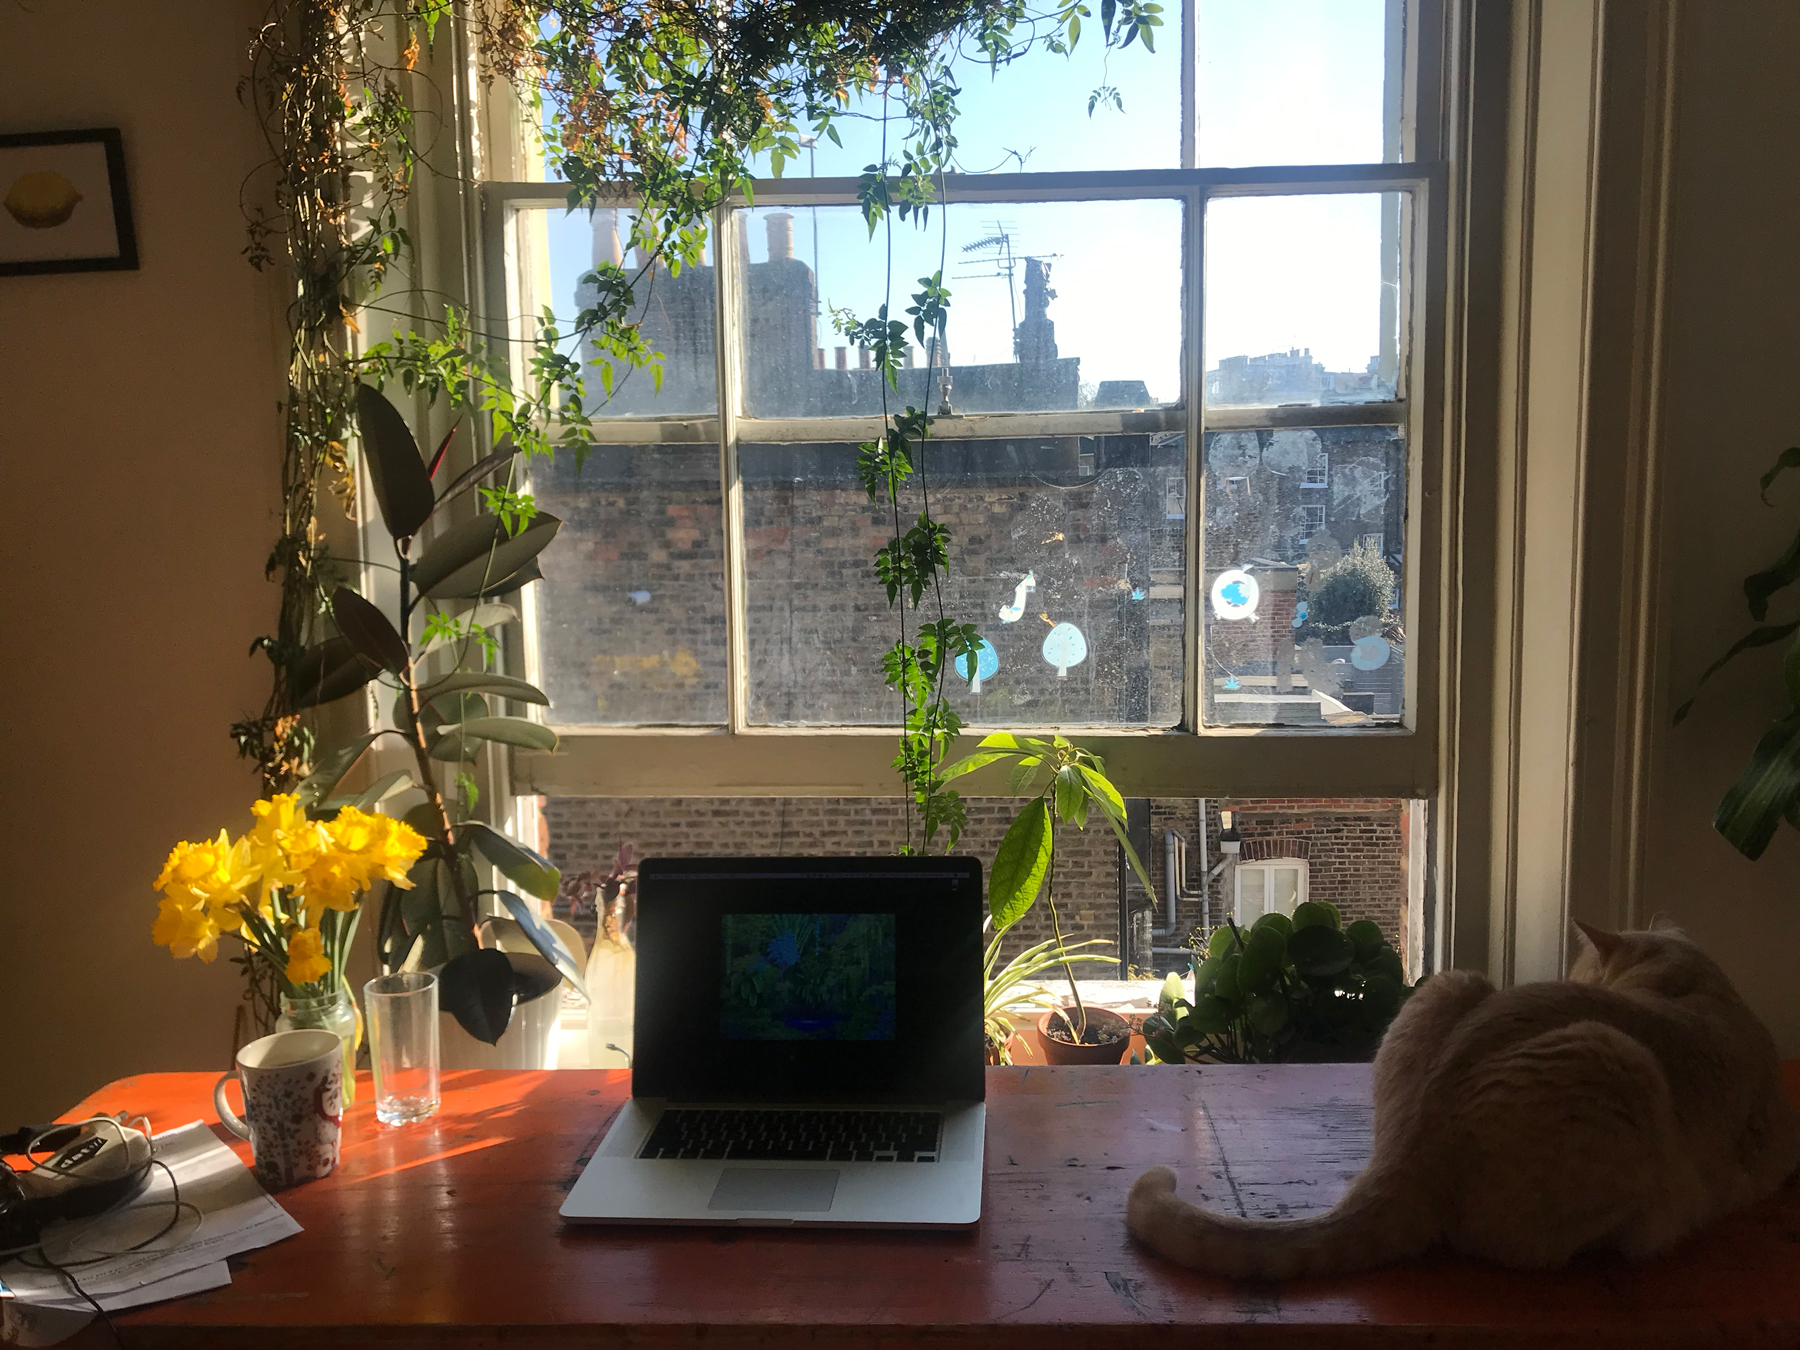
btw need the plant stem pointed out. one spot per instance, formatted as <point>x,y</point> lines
<point>1080,1027</point>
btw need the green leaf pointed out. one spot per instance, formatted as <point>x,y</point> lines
<point>369,630</point>
<point>1280,923</point>
<point>457,740</point>
<point>380,790</point>
<point>327,772</point>
<point>548,944</point>
<point>1767,788</point>
<point>1022,773</point>
<point>1310,913</point>
<point>1211,1016</point>
<point>1319,952</point>
<point>1366,939</point>
<point>1757,637</point>
<point>1226,988</point>
<point>1779,575</point>
<point>1005,740</point>
<point>970,763</point>
<point>1787,459</point>
<point>327,672</point>
<point>1071,796</point>
<point>526,868</point>
<point>1020,863</point>
<point>1268,1013</point>
<point>1112,805</point>
<point>472,557</point>
<point>476,989</point>
<point>1261,964</point>
<point>1222,943</point>
<point>482,682</point>
<point>396,469</point>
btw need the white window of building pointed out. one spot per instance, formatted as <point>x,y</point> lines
<point>1274,886</point>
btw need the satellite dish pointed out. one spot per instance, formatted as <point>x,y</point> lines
<point>987,662</point>
<point>1065,647</point>
<point>1235,594</point>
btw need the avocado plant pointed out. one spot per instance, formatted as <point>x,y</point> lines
<point>1283,989</point>
<point>444,717</point>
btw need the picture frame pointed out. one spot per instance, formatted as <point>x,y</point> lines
<point>65,205</point>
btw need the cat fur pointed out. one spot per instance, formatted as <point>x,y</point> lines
<point>1620,1109</point>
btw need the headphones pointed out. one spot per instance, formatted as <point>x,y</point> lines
<point>91,1166</point>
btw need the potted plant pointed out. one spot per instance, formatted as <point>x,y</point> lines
<point>1284,989</point>
<point>444,717</point>
<point>1016,986</point>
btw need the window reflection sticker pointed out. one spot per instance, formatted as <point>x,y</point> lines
<point>1235,594</point>
<point>1369,653</point>
<point>987,665</point>
<point>1065,647</point>
<point>1300,611</point>
<point>1011,613</point>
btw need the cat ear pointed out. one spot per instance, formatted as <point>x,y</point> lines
<point>1663,922</point>
<point>1599,939</point>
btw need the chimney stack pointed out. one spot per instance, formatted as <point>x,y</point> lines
<point>606,238</point>
<point>781,236</point>
<point>843,358</point>
<point>862,358</point>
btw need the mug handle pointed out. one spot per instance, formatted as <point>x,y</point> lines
<point>227,1117</point>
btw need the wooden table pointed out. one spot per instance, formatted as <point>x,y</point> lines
<point>446,1233</point>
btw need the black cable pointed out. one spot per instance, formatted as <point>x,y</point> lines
<point>92,1302</point>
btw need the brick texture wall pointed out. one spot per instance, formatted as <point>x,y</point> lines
<point>1356,849</point>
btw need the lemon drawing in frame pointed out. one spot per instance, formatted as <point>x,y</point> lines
<point>65,203</point>
<point>41,199</point>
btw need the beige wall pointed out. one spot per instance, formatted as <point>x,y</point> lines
<point>139,448</point>
<point>1733,404</point>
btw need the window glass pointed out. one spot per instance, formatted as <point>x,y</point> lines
<point>1054,305</point>
<point>1032,114</point>
<point>675,310</point>
<point>1252,893</point>
<point>1298,81</point>
<point>1068,552</point>
<point>632,605</point>
<point>1302,599</point>
<point>1284,889</point>
<point>1303,299</point>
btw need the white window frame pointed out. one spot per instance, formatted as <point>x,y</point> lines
<point>739,758</point>
<point>1267,866</point>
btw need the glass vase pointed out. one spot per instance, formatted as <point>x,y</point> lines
<point>334,1012</point>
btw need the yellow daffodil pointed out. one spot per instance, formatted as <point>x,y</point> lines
<point>306,957</point>
<point>185,930</point>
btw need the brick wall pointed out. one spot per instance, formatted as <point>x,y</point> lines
<point>1356,848</point>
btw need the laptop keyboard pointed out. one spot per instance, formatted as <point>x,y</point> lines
<point>795,1135</point>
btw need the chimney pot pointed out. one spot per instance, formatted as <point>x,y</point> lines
<point>843,358</point>
<point>862,358</point>
<point>606,238</point>
<point>781,236</point>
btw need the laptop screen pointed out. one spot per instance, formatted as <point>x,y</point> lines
<point>809,979</point>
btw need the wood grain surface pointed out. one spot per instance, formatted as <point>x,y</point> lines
<point>446,1233</point>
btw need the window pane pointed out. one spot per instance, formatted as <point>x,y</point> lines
<point>1284,889</point>
<point>632,628</point>
<point>1032,114</point>
<point>1053,306</point>
<point>1303,299</point>
<point>1304,535</point>
<point>1252,887</point>
<point>676,311</point>
<point>1298,81</point>
<point>1068,552</point>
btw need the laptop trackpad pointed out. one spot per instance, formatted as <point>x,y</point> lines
<point>801,1189</point>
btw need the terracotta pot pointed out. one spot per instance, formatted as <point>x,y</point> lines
<point>1061,1052</point>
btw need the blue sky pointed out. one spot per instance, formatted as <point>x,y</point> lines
<point>1279,82</point>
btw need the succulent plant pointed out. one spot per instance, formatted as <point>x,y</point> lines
<point>1300,988</point>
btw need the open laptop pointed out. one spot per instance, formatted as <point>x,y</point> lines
<point>808,1047</point>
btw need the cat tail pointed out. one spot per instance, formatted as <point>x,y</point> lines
<point>1380,1219</point>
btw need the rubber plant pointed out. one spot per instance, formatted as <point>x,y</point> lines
<point>1767,792</point>
<point>444,718</point>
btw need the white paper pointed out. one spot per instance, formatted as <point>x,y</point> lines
<point>224,1211</point>
<point>31,1323</point>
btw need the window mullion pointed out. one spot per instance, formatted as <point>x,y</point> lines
<point>1190,111</point>
<point>731,488</point>
<point>1193,367</point>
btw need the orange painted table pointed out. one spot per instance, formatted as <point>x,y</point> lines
<point>446,1234</point>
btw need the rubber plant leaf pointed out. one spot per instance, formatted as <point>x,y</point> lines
<point>369,630</point>
<point>458,739</point>
<point>486,465</point>
<point>1787,459</point>
<point>532,975</point>
<point>327,672</point>
<point>471,557</point>
<point>1764,792</point>
<point>476,989</point>
<point>1782,573</point>
<point>549,946</point>
<point>437,457</point>
<point>1020,863</point>
<point>526,868</point>
<point>483,682</point>
<point>402,482</point>
<point>329,772</point>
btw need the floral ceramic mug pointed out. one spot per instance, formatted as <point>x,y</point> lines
<point>293,1104</point>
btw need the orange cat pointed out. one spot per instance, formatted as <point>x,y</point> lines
<point>1620,1109</point>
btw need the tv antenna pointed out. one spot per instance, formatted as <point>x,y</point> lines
<point>995,254</point>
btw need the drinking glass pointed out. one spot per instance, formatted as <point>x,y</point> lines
<point>403,1045</point>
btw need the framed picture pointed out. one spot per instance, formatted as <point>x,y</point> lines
<point>63,203</point>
